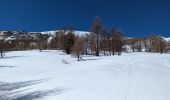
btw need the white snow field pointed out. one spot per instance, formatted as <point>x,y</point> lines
<point>132,76</point>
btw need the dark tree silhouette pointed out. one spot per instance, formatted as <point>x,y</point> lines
<point>69,42</point>
<point>1,47</point>
<point>40,38</point>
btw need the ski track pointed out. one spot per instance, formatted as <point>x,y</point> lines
<point>134,76</point>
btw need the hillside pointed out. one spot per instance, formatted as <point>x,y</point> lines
<point>132,76</point>
<point>53,33</point>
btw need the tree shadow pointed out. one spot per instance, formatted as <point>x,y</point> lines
<point>88,55</point>
<point>6,66</point>
<point>48,51</point>
<point>90,59</point>
<point>35,95</point>
<point>17,91</point>
<point>6,57</point>
<point>63,54</point>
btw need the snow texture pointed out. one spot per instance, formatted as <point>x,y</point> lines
<point>132,76</point>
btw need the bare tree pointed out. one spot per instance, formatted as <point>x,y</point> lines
<point>112,32</point>
<point>92,43</point>
<point>2,47</point>
<point>136,44</point>
<point>132,43</point>
<point>146,44</point>
<point>168,46</point>
<point>105,44</point>
<point>118,42</point>
<point>162,45</point>
<point>157,43</point>
<point>78,47</point>
<point>97,30</point>
<point>61,39</point>
<point>86,40</point>
<point>154,43</point>
<point>40,41</point>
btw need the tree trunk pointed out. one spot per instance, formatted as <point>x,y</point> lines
<point>1,54</point>
<point>97,45</point>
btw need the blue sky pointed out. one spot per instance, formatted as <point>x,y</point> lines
<point>133,17</point>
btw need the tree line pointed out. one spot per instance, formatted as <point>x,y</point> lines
<point>153,43</point>
<point>99,41</point>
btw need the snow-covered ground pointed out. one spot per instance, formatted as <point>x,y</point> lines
<point>132,76</point>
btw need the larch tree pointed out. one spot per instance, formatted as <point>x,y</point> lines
<point>118,42</point>
<point>162,45</point>
<point>168,46</point>
<point>40,39</point>
<point>2,46</point>
<point>146,44</point>
<point>61,39</point>
<point>97,30</point>
<point>78,48</point>
<point>154,43</point>
<point>112,32</point>
<point>157,43</point>
<point>105,44</point>
<point>92,43</point>
<point>86,43</point>
<point>139,45</point>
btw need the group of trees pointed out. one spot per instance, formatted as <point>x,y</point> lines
<point>103,40</point>
<point>99,41</point>
<point>156,43</point>
<point>153,43</point>
<point>12,40</point>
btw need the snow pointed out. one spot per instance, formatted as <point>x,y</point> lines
<point>10,38</point>
<point>49,40</point>
<point>132,76</point>
<point>166,38</point>
<point>50,32</point>
<point>2,38</point>
<point>54,32</point>
<point>81,33</point>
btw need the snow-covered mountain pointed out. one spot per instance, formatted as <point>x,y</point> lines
<point>12,35</point>
<point>5,34</point>
<point>166,38</point>
<point>55,31</point>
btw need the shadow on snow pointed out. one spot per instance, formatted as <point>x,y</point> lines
<point>18,91</point>
<point>6,66</point>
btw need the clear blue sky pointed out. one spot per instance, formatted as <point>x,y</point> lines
<point>133,17</point>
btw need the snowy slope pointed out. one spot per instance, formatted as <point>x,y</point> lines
<point>132,76</point>
<point>166,38</point>
<point>54,32</point>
